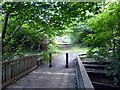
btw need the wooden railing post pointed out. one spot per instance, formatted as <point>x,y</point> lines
<point>66,60</point>
<point>50,61</point>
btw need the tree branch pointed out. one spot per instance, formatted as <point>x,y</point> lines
<point>16,29</point>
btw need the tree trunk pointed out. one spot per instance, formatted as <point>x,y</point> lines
<point>39,46</point>
<point>5,25</point>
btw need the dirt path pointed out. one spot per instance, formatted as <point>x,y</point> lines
<point>55,77</point>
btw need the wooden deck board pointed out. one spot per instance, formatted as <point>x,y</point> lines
<point>54,77</point>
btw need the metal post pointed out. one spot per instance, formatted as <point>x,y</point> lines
<point>66,60</point>
<point>50,61</point>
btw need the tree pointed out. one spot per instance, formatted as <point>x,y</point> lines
<point>105,36</point>
<point>25,23</point>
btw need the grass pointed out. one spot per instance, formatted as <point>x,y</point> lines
<point>77,48</point>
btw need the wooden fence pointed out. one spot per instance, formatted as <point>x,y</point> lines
<point>15,69</point>
<point>83,79</point>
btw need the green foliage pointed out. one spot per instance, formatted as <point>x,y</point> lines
<point>79,31</point>
<point>45,55</point>
<point>52,48</point>
<point>105,36</point>
<point>33,24</point>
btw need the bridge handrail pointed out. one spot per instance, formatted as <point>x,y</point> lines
<point>17,68</point>
<point>83,79</point>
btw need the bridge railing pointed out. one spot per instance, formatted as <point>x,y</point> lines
<point>15,69</point>
<point>83,79</point>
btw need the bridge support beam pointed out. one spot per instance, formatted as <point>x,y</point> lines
<point>66,60</point>
<point>50,61</point>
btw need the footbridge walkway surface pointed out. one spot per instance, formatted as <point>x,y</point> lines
<point>57,76</point>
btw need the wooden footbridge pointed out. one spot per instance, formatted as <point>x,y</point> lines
<point>64,70</point>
